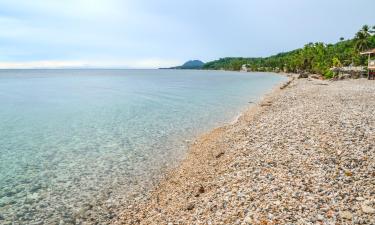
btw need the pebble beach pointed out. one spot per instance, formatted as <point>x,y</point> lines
<point>305,154</point>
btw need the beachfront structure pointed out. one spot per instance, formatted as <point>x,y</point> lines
<point>371,63</point>
<point>345,72</point>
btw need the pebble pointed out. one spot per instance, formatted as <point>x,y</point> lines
<point>248,220</point>
<point>368,209</point>
<point>346,215</point>
<point>305,157</point>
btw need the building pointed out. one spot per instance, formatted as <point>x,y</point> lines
<point>371,63</point>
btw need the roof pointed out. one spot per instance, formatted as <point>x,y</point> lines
<point>371,51</point>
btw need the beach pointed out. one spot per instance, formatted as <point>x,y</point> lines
<point>305,154</point>
<point>77,145</point>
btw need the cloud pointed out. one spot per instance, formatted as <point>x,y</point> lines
<point>144,33</point>
<point>152,63</point>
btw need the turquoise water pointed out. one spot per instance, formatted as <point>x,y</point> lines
<point>75,145</point>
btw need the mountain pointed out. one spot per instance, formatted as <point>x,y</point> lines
<point>190,65</point>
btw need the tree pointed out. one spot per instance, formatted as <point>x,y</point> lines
<point>361,38</point>
<point>313,57</point>
<point>365,29</point>
<point>373,30</point>
<point>336,62</point>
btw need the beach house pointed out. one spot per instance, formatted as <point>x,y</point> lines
<point>371,63</point>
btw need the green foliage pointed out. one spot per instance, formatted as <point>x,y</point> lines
<point>313,57</point>
<point>336,62</point>
<point>329,74</point>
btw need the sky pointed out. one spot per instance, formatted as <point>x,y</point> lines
<point>161,33</point>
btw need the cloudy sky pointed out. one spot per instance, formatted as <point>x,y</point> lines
<point>157,33</point>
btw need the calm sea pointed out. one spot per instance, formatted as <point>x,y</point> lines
<point>75,145</point>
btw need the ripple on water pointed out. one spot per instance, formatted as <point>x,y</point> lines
<point>77,144</point>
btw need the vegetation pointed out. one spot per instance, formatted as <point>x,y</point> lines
<point>313,57</point>
<point>189,65</point>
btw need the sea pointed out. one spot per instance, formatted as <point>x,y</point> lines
<point>76,146</point>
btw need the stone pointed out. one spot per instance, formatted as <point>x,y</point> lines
<point>35,188</point>
<point>319,217</point>
<point>190,206</point>
<point>368,209</point>
<point>201,190</point>
<point>316,76</point>
<point>248,220</point>
<point>344,76</point>
<point>303,75</point>
<point>346,215</point>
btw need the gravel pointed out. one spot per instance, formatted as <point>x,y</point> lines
<point>304,155</point>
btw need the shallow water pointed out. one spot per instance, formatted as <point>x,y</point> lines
<point>75,145</point>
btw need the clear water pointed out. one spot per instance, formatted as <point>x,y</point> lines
<point>75,145</point>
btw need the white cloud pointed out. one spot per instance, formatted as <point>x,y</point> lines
<point>75,9</point>
<point>50,64</point>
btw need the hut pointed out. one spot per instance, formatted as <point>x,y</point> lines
<point>371,63</point>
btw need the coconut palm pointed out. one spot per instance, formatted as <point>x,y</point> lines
<point>373,30</point>
<point>361,37</point>
<point>366,29</point>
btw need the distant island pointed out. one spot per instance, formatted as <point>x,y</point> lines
<point>189,65</point>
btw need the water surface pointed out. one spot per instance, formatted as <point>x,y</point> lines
<point>75,145</point>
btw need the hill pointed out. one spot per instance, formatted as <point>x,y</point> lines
<point>191,64</point>
<point>313,57</point>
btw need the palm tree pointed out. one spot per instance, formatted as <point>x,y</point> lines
<point>366,29</point>
<point>373,30</point>
<point>361,38</point>
<point>362,42</point>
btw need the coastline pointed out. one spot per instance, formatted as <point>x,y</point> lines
<point>275,164</point>
<point>195,154</point>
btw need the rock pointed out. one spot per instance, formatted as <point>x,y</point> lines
<point>344,76</point>
<point>277,202</point>
<point>368,209</point>
<point>348,173</point>
<point>201,190</point>
<point>35,188</point>
<point>266,104</point>
<point>248,220</point>
<point>330,213</point>
<point>319,218</point>
<point>286,84</point>
<point>303,75</point>
<point>316,76</point>
<point>346,215</point>
<point>190,206</point>
<point>219,155</point>
<point>359,198</point>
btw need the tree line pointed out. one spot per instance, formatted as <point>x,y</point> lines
<point>315,58</point>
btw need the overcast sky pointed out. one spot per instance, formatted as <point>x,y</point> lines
<point>158,33</point>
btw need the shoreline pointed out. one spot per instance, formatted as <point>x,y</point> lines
<point>238,173</point>
<point>209,136</point>
<point>206,137</point>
